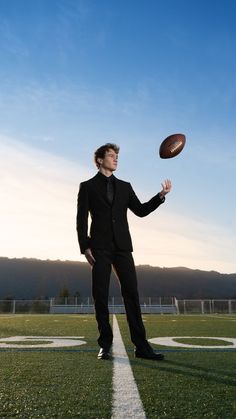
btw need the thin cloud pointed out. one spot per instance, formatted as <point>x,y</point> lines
<point>167,239</point>
<point>38,203</point>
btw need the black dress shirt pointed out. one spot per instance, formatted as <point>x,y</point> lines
<point>110,186</point>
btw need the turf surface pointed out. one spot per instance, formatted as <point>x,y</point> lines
<point>51,383</point>
<point>72,383</point>
<point>189,384</point>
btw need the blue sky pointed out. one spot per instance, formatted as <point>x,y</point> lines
<point>76,74</point>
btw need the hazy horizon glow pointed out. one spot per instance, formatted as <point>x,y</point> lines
<point>39,194</point>
<point>77,73</point>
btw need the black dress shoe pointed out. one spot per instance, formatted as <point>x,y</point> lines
<point>148,355</point>
<point>104,354</point>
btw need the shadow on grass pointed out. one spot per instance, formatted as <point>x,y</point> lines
<point>189,370</point>
<point>207,370</point>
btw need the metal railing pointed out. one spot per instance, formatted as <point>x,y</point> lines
<point>226,306</point>
<point>149,305</point>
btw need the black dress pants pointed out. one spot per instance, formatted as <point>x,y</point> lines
<point>123,264</point>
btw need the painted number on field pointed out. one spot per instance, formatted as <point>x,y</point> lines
<point>41,341</point>
<point>170,341</point>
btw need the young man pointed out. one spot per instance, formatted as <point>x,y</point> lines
<point>108,245</point>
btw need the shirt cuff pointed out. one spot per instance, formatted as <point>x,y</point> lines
<point>161,198</point>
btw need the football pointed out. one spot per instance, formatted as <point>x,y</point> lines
<point>172,146</point>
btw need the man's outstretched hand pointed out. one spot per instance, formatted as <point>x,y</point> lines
<point>166,188</point>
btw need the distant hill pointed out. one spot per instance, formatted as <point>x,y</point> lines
<point>33,278</point>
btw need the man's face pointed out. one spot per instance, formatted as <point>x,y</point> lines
<point>110,160</point>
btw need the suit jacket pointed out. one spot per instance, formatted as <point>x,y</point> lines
<point>109,222</point>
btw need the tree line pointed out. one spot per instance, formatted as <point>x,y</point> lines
<point>43,279</point>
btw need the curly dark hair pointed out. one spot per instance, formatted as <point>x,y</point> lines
<point>101,151</point>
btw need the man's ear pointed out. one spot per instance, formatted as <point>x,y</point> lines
<point>100,161</point>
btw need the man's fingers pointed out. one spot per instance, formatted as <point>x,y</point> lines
<point>89,257</point>
<point>166,185</point>
<point>90,260</point>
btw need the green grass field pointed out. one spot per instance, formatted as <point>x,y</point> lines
<point>71,383</point>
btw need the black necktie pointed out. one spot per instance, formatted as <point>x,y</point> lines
<point>110,190</point>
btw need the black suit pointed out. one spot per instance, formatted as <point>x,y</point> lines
<point>111,245</point>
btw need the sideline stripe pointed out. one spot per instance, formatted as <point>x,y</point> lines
<point>126,399</point>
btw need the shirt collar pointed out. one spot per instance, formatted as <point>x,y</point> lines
<point>105,178</point>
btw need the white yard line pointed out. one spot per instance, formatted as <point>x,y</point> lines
<point>222,317</point>
<point>126,400</point>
